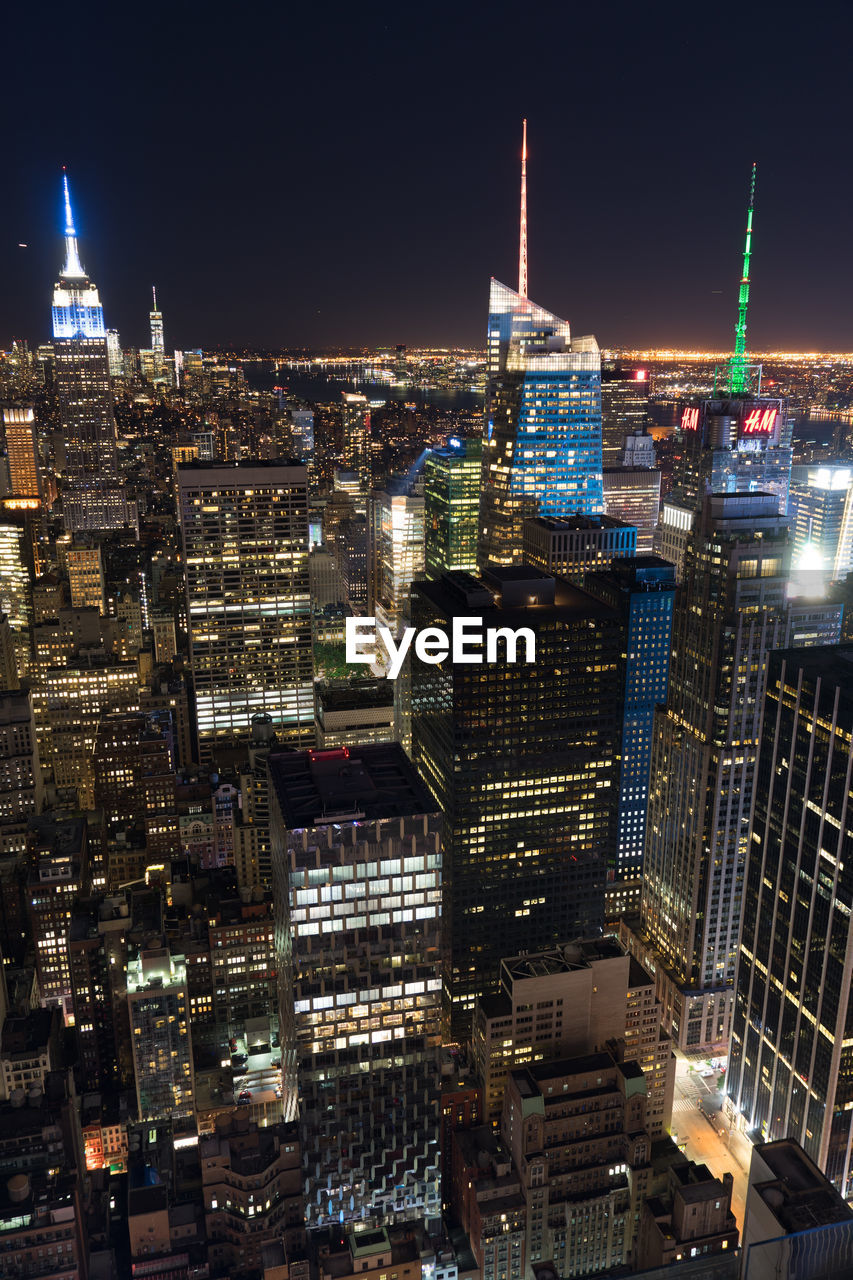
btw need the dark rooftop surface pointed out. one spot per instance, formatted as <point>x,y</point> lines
<point>376,781</point>
<point>462,594</point>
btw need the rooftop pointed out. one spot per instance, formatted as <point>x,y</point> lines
<point>365,784</point>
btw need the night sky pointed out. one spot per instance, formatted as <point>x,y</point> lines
<point>328,174</point>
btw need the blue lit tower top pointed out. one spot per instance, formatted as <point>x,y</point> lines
<point>77,310</point>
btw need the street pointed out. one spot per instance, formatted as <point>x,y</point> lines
<point>699,1123</point>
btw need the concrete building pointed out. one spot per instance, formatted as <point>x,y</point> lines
<point>252,1187</point>
<point>577,1134</point>
<point>354,713</point>
<point>21,788</point>
<point>693,1219</point>
<point>796,1223</point>
<point>59,872</point>
<point>572,546</point>
<point>585,997</point>
<point>488,1201</point>
<point>356,850</point>
<point>632,494</point>
<point>160,1034</point>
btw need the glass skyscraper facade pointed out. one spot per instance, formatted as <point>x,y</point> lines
<point>643,590</point>
<point>791,1068</point>
<point>452,506</point>
<point>542,437</point>
<point>523,762</point>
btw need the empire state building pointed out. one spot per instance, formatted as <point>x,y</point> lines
<point>93,495</point>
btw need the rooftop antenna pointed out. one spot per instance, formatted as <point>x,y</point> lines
<point>522,238</point>
<point>739,376</point>
<point>73,268</point>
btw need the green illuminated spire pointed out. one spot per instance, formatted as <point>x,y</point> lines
<point>738,362</point>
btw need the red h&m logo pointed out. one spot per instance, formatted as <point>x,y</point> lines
<point>690,420</point>
<point>760,422</point>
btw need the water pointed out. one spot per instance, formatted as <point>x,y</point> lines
<point>319,388</point>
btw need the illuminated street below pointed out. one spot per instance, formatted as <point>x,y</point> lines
<point>708,1140</point>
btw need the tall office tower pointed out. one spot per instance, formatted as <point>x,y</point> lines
<point>9,678</point>
<point>155,316</point>
<point>736,441</point>
<point>245,539</point>
<point>624,407</point>
<point>821,511</point>
<point>396,553</point>
<point>355,424</point>
<point>675,525</point>
<point>58,852</point>
<point>452,506</point>
<point>356,844</point>
<point>578,1135</point>
<point>16,586</point>
<point>86,577</point>
<point>159,1021</point>
<point>542,428</point>
<point>576,545</point>
<point>22,448</point>
<point>733,444</point>
<point>522,758</point>
<point>542,440</point>
<point>93,495</point>
<point>21,789</point>
<point>302,421</point>
<point>730,614</point>
<point>115,355</point>
<point>632,494</point>
<point>97,958</point>
<point>792,1056</point>
<point>583,997</point>
<point>643,591</point>
<point>352,551</point>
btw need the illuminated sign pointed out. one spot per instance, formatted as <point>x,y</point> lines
<point>640,375</point>
<point>759,422</point>
<point>690,420</point>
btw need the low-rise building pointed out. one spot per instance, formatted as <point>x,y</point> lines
<point>692,1220</point>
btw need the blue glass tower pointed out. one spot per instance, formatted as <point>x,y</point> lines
<point>542,437</point>
<point>93,497</point>
<point>643,590</point>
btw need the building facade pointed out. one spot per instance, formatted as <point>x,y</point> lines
<point>356,845</point>
<point>245,540</point>
<point>542,436</point>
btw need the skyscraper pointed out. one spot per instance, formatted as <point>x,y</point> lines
<point>624,407</point>
<point>522,759</point>
<point>396,552</point>
<point>632,494</point>
<point>730,614</point>
<point>93,496</point>
<point>452,506</point>
<point>792,1055</point>
<point>577,545</point>
<point>245,540</point>
<point>356,844</point>
<point>542,429</point>
<point>155,316</point>
<point>355,424</point>
<point>542,440</point>
<point>160,1034</point>
<point>643,590</point>
<point>22,448</point>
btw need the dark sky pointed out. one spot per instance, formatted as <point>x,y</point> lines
<point>322,173</point>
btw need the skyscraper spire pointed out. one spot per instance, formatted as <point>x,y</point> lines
<point>73,268</point>
<point>522,238</point>
<point>738,364</point>
<point>154,296</point>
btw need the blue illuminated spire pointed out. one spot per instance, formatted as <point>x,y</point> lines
<point>73,269</point>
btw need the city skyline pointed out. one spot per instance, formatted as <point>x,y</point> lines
<point>319,227</point>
